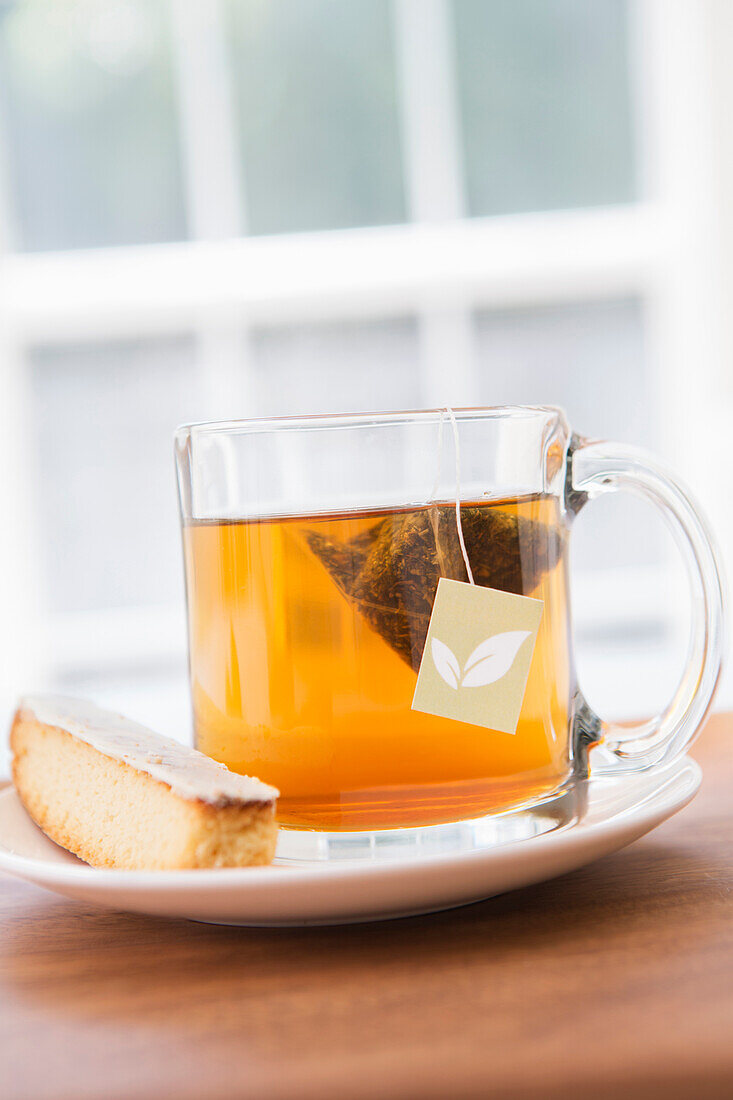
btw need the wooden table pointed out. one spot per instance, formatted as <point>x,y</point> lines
<point>615,981</point>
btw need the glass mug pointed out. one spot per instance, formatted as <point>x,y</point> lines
<point>312,560</point>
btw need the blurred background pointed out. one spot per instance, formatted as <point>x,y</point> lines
<point>252,207</point>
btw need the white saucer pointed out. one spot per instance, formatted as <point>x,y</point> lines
<point>344,890</point>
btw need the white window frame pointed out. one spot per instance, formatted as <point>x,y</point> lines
<point>664,249</point>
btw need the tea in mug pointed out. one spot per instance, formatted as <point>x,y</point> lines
<point>306,636</point>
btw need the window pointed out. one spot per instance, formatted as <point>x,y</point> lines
<point>341,365</point>
<point>90,122</point>
<point>103,416</point>
<point>544,90</point>
<point>316,114</point>
<point>248,207</point>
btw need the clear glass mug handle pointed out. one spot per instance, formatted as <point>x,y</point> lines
<point>600,467</point>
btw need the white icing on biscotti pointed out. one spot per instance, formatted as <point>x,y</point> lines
<point>189,773</point>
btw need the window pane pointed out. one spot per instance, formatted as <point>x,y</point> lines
<point>588,358</point>
<point>106,498</point>
<point>343,367</point>
<point>88,116</point>
<point>316,99</point>
<point>545,100</point>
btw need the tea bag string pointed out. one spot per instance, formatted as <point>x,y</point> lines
<point>457,448</point>
<point>459,525</point>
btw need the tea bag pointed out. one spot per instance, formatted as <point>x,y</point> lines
<point>390,572</point>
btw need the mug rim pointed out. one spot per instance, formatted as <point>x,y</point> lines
<point>356,420</point>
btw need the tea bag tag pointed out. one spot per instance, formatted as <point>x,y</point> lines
<point>477,654</point>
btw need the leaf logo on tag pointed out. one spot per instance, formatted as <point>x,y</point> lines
<point>489,661</point>
<point>478,638</point>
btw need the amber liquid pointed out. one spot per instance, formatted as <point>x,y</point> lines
<point>292,684</point>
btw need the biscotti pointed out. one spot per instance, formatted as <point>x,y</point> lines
<point>118,795</point>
